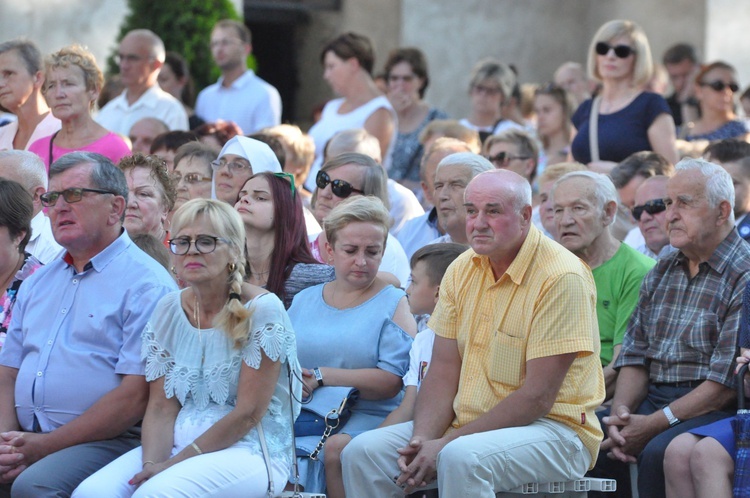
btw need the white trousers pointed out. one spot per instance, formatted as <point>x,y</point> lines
<point>478,465</point>
<point>232,472</point>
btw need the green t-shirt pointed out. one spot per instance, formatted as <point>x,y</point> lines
<point>618,282</point>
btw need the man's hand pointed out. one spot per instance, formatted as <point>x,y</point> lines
<point>616,441</point>
<point>629,434</point>
<point>11,461</point>
<point>418,463</point>
<point>28,444</point>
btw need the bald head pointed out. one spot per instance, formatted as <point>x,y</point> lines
<point>144,131</point>
<point>149,40</point>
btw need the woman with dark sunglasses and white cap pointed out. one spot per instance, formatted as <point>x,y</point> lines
<point>239,159</point>
<point>355,174</point>
<point>627,118</point>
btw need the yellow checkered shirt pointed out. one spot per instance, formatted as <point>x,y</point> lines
<point>544,305</point>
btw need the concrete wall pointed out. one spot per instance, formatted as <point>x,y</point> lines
<point>535,35</point>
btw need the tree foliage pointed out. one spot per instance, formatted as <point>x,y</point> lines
<point>184,26</point>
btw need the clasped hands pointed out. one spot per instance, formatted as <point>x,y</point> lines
<point>418,463</point>
<point>18,450</point>
<point>628,434</point>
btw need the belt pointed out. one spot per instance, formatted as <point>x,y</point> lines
<point>685,383</point>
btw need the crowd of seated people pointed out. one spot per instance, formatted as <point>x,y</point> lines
<point>181,277</point>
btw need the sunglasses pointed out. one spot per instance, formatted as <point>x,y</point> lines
<point>71,195</point>
<point>340,188</point>
<point>720,86</point>
<point>621,51</point>
<point>653,207</point>
<point>503,158</point>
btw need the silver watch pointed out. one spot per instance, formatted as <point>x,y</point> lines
<point>670,416</point>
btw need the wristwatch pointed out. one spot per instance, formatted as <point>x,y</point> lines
<point>670,416</point>
<point>319,376</point>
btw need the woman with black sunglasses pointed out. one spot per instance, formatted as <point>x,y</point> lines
<point>715,88</point>
<point>627,118</point>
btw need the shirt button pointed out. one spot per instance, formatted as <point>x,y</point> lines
<point>49,342</point>
<point>63,311</point>
<point>39,374</point>
<point>75,280</point>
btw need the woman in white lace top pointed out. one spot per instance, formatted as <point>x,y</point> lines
<point>219,376</point>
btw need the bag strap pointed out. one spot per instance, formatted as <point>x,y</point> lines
<point>266,458</point>
<point>594,128</point>
<point>50,146</point>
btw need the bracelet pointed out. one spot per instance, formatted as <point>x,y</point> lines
<point>196,448</point>
<point>146,463</point>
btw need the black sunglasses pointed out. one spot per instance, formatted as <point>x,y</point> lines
<point>621,51</point>
<point>719,86</point>
<point>653,207</point>
<point>340,188</point>
<point>503,157</point>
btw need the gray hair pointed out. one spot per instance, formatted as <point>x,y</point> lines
<point>375,179</point>
<point>105,175</point>
<point>155,43</point>
<point>604,190</point>
<point>476,163</point>
<point>27,51</point>
<point>28,168</point>
<point>356,140</point>
<point>719,185</point>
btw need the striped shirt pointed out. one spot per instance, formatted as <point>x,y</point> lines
<point>544,305</point>
<point>683,328</point>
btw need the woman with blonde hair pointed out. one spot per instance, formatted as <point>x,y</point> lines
<point>627,118</point>
<point>217,358</point>
<point>71,87</point>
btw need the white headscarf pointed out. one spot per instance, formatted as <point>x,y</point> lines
<point>259,155</point>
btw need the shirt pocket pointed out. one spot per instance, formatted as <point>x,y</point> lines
<point>700,332</point>
<point>507,359</point>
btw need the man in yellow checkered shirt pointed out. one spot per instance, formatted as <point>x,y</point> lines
<point>515,375</point>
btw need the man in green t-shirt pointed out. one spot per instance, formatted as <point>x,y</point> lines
<point>585,207</point>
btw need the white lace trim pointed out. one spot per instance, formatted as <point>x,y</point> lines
<point>213,383</point>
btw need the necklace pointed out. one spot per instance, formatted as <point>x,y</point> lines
<point>354,299</point>
<point>197,320</point>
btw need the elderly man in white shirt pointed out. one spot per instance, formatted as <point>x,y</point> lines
<point>28,169</point>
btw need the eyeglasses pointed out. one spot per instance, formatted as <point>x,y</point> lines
<point>395,78</point>
<point>720,86</point>
<point>502,158</point>
<point>621,51</point>
<point>653,207</point>
<point>132,58</point>
<point>487,90</point>
<point>204,244</point>
<point>289,177</point>
<point>190,178</point>
<point>70,195</point>
<point>234,167</point>
<point>340,188</point>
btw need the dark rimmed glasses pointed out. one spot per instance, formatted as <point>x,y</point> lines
<point>204,244</point>
<point>190,178</point>
<point>503,158</point>
<point>653,207</point>
<point>71,195</point>
<point>340,188</point>
<point>720,86</point>
<point>621,51</point>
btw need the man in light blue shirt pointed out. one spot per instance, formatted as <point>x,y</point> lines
<point>71,379</point>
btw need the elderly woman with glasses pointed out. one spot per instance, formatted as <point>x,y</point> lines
<point>239,159</point>
<point>278,254</point>
<point>627,118</point>
<point>192,172</point>
<point>72,82</point>
<point>219,355</point>
<point>715,88</point>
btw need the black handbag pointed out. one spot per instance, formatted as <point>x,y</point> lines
<point>326,413</point>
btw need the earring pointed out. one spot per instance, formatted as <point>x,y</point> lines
<point>231,267</point>
<point>173,270</point>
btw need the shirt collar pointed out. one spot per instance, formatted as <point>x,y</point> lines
<point>521,262</point>
<point>721,256</point>
<point>239,82</point>
<point>101,260</point>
